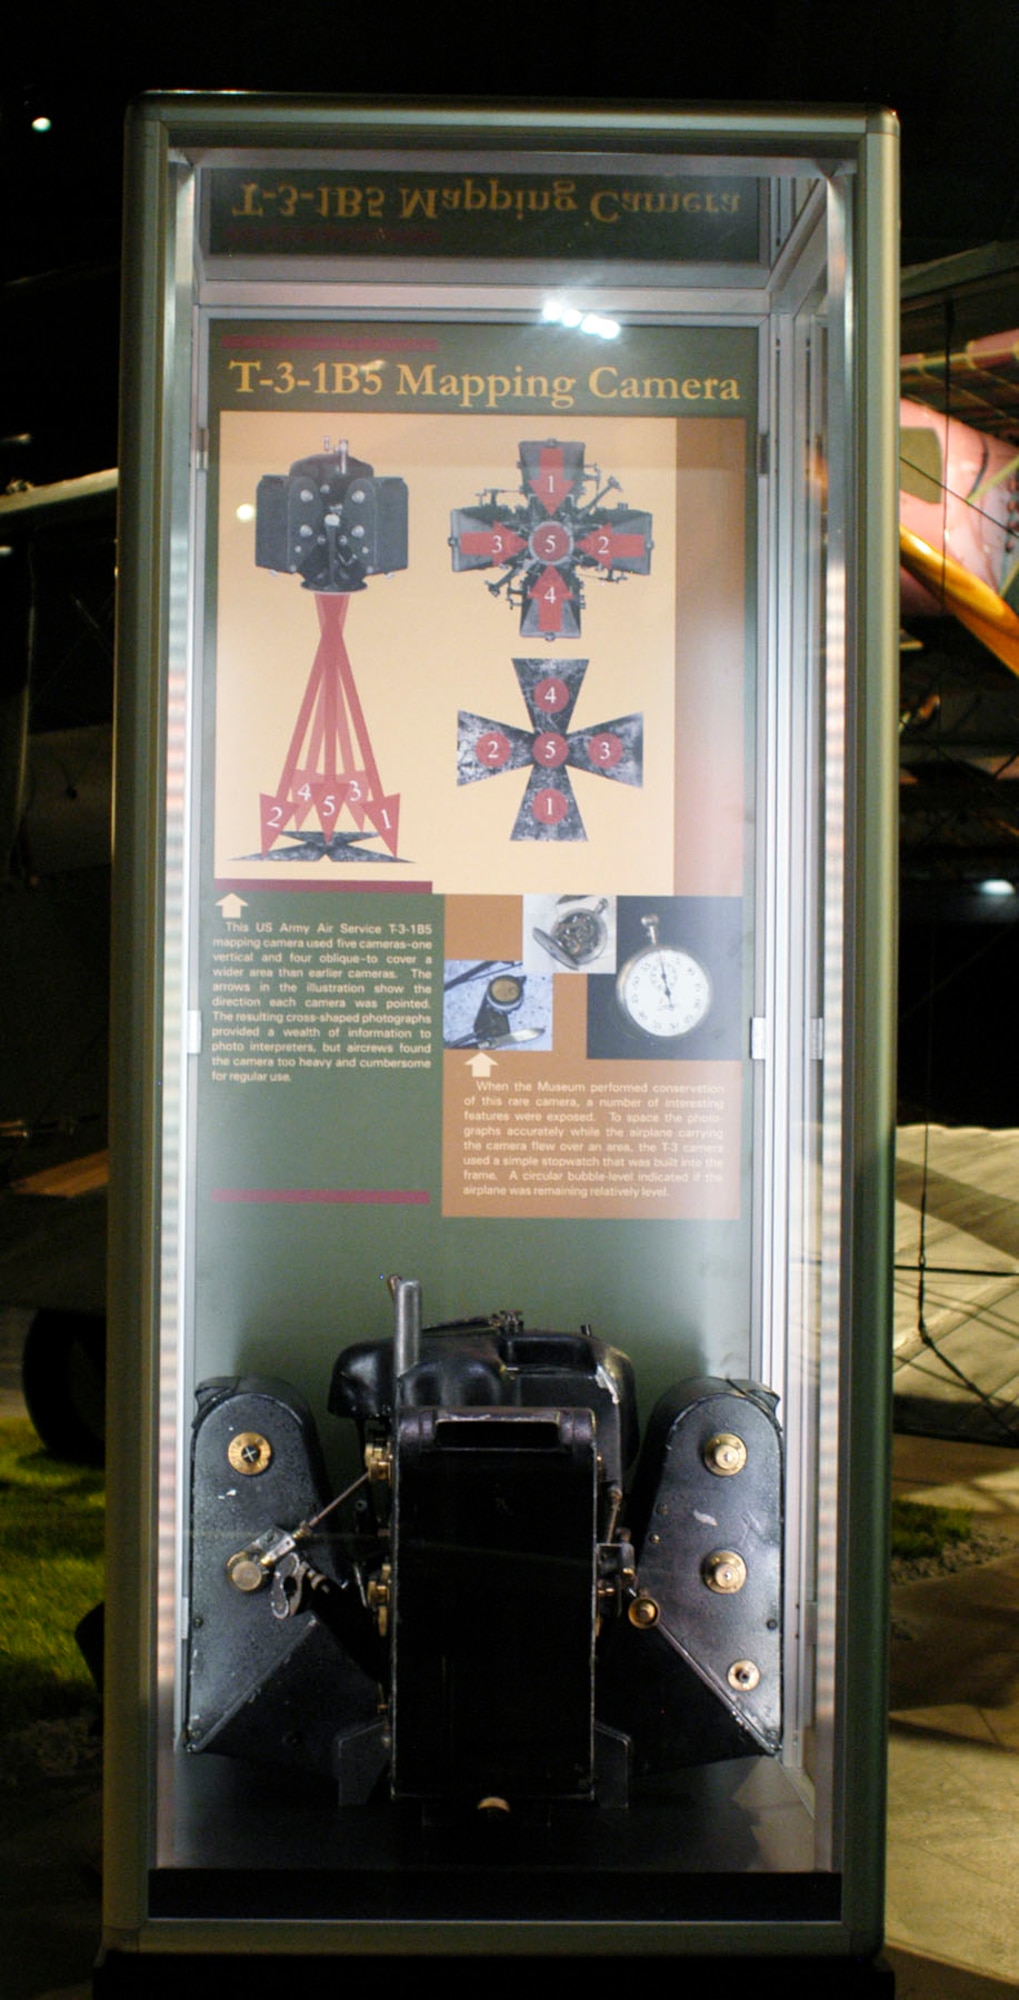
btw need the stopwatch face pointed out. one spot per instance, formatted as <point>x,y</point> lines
<point>505,991</point>
<point>664,992</point>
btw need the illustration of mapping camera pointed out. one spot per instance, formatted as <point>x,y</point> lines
<point>494,1614</point>
<point>543,546</point>
<point>332,521</point>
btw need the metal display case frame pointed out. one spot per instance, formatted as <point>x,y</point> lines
<point>743,260</point>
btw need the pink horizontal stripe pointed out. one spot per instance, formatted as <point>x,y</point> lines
<point>402,1197</point>
<point>376,344</point>
<point>237,884</point>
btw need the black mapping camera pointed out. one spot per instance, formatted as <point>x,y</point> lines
<point>495,1614</point>
<point>330,520</point>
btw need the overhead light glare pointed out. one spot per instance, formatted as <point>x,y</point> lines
<point>42,123</point>
<point>606,329</point>
<point>997,886</point>
<point>557,312</point>
<point>245,511</point>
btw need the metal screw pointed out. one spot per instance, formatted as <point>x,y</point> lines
<point>249,1452</point>
<point>724,1571</point>
<point>724,1454</point>
<point>378,1460</point>
<point>378,1596</point>
<point>743,1675</point>
<point>643,1613</point>
<point>245,1572</point>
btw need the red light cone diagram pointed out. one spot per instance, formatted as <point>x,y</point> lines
<point>330,767</point>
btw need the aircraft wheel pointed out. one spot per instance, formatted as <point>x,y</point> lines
<point>63,1379</point>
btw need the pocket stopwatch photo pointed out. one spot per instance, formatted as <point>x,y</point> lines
<point>662,992</point>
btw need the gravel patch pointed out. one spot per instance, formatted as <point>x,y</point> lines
<point>68,1746</point>
<point>984,1545</point>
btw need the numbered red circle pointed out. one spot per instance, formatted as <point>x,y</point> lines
<point>492,749</point>
<point>605,750</point>
<point>549,807</point>
<point>551,542</point>
<point>550,750</point>
<point>551,695</point>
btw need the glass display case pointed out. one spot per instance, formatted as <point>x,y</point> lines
<point>503,999</point>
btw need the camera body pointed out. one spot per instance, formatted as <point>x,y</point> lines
<point>512,1606</point>
<point>331,521</point>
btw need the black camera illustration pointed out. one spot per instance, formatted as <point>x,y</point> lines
<point>511,1606</point>
<point>331,520</point>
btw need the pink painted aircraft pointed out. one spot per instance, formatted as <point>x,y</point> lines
<point>959,514</point>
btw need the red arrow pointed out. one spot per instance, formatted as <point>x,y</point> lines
<point>548,594</point>
<point>329,795</point>
<point>358,795</point>
<point>274,813</point>
<point>498,543</point>
<point>341,660</point>
<point>550,484</point>
<point>384,815</point>
<point>607,547</point>
<point>302,796</point>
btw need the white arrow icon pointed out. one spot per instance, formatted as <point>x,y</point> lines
<point>480,1065</point>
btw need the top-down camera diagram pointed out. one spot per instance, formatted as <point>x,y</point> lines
<point>544,542</point>
<point>511,1606</point>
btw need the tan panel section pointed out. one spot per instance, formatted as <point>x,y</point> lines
<point>426,643</point>
<point>555,1136</point>
<point>482,927</point>
<point>711,652</point>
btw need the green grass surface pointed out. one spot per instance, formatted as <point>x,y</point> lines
<point>51,1573</point>
<point>919,1530</point>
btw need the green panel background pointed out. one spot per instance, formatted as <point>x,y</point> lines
<point>281,1287</point>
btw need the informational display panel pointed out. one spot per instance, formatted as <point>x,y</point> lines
<point>410,775</point>
<point>493,894</point>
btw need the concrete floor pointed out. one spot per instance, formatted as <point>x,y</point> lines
<point>953,1775</point>
<point>955,1204</point>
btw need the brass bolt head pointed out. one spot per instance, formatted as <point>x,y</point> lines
<point>377,1593</point>
<point>643,1612</point>
<point>724,1571</point>
<point>249,1452</point>
<point>245,1572</point>
<point>378,1462</point>
<point>724,1454</point>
